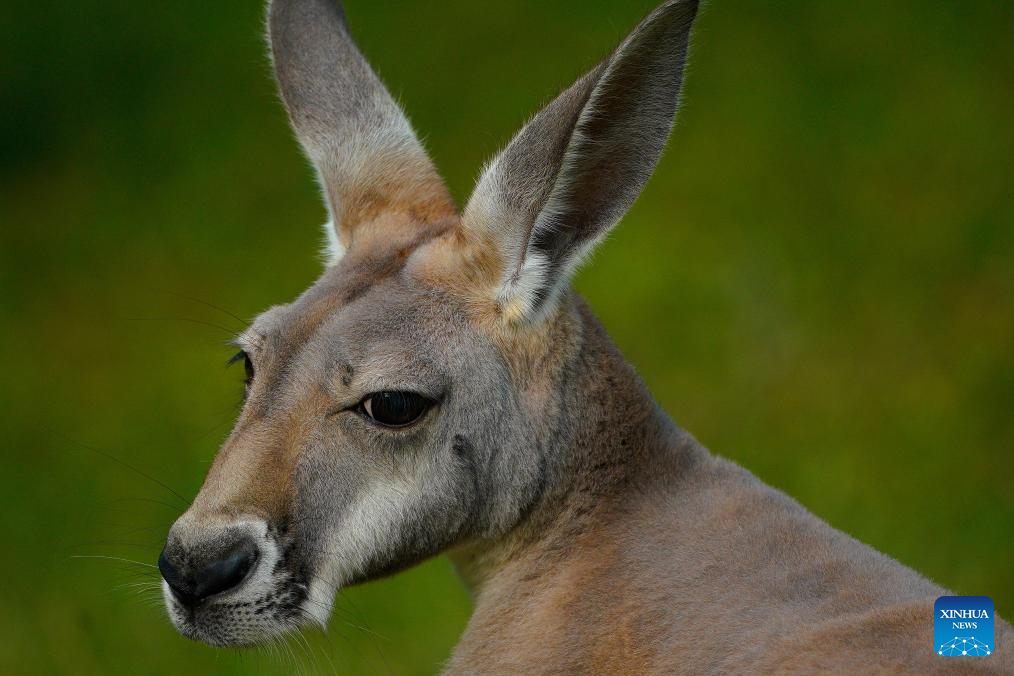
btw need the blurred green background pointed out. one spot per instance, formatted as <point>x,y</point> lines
<point>817,282</point>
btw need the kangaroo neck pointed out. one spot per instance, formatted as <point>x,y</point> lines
<point>609,442</point>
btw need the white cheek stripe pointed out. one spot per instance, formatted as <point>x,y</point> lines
<point>368,526</point>
<point>319,601</point>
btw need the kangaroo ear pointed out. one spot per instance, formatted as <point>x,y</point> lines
<point>369,161</point>
<point>572,172</point>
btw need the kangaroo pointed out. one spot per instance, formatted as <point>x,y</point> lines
<point>441,389</point>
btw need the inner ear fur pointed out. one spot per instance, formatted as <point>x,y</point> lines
<point>368,159</point>
<point>572,172</point>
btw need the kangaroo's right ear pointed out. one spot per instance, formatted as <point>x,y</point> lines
<point>368,158</point>
<point>576,167</point>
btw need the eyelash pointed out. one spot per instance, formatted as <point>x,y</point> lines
<point>247,366</point>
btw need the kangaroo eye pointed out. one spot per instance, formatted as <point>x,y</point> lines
<point>247,365</point>
<point>395,409</point>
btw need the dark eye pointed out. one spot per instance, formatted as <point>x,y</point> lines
<point>247,365</point>
<point>395,409</point>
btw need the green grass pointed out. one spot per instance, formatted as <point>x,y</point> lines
<point>817,283</point>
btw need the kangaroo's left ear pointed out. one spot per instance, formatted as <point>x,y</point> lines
<point>572,172</point>
<point>372,167</point>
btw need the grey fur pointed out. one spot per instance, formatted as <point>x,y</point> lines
<point>357,137</point>
<point>573,171</point>
<point>596,535</point>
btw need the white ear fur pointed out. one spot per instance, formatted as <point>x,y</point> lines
<point>333,250</point>
<point>572,172</point>
<point>520,287</point>
<point>530,289</point>
<point>368,158</point>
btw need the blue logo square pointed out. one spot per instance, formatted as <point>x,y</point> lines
<point>963,626</point>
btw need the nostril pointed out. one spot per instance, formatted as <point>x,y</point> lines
<point>171,573</point>
<point>225,572</point>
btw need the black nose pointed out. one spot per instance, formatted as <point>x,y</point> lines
<point>201,577</point>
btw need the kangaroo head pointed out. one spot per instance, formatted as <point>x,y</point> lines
<point>412,399</point>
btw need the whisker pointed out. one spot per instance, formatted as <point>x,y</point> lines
<point>306,643</point>
<point>153,501</point>
<point>109,543</point>
<point>210,305</point>
<point>112,558</point>
<point>134,531</point>
<point>200,322</point>
<point>122,463</point>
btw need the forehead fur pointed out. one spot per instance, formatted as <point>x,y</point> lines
<point>381,251</point>
<point>435,264</point>
<point>466,265</point>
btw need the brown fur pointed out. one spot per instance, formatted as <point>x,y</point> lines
<point>595,535</point>
<point>244,478</point>
<point>661,558</point>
